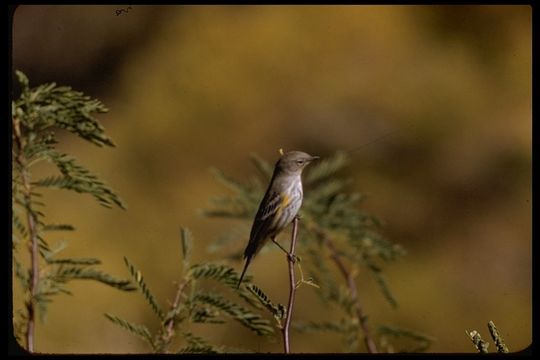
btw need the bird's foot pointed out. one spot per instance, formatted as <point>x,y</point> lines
<point>292,258</point>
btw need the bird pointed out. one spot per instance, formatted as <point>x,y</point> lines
<point>280,203</point>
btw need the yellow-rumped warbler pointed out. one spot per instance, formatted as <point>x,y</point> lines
<point>279,205</point>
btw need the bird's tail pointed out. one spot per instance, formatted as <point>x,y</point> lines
<point>248,260</point>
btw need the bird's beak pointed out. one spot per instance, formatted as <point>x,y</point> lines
<point>314,158</point>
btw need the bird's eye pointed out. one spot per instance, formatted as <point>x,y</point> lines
<point>299,162</point>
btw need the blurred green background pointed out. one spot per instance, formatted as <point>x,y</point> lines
<point>436,100</point>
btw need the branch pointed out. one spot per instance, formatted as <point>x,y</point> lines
<point>32,232</point>
<point>292,287</point>
<point>351,284</point>
<point>168,334</point>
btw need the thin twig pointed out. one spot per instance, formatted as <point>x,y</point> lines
<point>351,284</point>
<point>170,323</point>
<point>292,287</point>
<point>35,268</point>
<point>33,241</point>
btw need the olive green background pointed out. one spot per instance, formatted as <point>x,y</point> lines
<point>436,100</point>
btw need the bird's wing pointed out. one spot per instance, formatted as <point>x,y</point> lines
<point>270,205</point>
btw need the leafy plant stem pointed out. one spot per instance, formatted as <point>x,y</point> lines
<point>351,285</point>
<point>33,240</point>
<point>170,324</point>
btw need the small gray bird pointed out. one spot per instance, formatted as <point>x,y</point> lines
<point>279,205</point>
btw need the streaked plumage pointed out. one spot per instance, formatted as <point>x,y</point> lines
<point>280,203</point>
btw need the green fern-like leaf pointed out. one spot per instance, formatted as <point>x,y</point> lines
<point>22,274</point>
<point>205,315</point>
<point>376,271</point>
<point>66,273</point>
<point>278,311</point>
<point>35,115</point>
<point>198,349</point>
<point>326,191</point>
<point>226,213</point>
<point>229,182</point>
<point>325,168</point>
<point>79,179</point>
<point>310,327</point>
<point>423,341</point>
<point>43,245</point>
<point>50,252</point>
<point>136,274</point>
<point>22,79</point>
<point>244,205</point>
<point>50,105</point>
<point>187,244</point>
<point>198,345</point>
<point>228,241</point>
<point>381,281</point>
<point>139,330</point>
<point>58,227</point>
<point>226,276</point>
<point>351,335</point>
<point>48,287</point>
<point>264,168</point>
<point>252,321</point>
<point>59,182</point>
<point>222,273</point>
<point>19,225</point>
<point>79,261</point>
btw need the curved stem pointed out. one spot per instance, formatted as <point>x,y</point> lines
<point>351,284</point>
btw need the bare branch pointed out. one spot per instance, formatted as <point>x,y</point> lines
<point>292,287</point>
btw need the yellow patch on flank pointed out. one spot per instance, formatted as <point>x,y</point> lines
<point>280,151</point>
<point>286,200</point>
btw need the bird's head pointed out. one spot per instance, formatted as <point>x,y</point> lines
<point>294,161</point>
